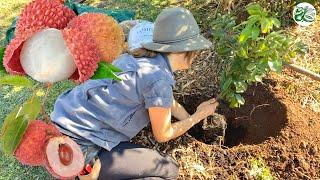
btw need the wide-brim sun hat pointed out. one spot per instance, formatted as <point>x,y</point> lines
<point>176,30</point>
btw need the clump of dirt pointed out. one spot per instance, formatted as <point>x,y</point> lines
<point>210,131</point>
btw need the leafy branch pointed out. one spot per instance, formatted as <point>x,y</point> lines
<point>250,50</point>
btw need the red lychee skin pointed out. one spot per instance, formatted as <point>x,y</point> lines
<point>84,52</point>
<point>31,148</point>
<point>106,32</point>
<point>11,59</point>
<point>41,14</point>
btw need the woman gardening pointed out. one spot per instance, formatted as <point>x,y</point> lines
<point>102,116</point>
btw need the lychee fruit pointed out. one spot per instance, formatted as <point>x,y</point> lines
<point>46,58</point>
<point>64,158</point>
<point>51,55</point>
<point>41,14</point>
<point>106,32</point>
<point>84,52</point>
<point>11,59</point>
<point>31,150</point>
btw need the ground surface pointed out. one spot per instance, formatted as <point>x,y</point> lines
<point>278,128</point>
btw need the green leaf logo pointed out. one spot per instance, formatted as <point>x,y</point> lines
<point>304,14</point>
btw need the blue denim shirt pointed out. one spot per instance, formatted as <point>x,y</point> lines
<point>106,112</point>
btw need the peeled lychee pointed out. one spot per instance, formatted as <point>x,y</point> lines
<point>52,55</point>
<point>106,32</point>
<point>31,150</point>
<point>84,52</point>
<point>64,157</point>
<point>46,58</point>
<point>41,14</point>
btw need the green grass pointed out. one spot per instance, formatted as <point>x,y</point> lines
<point>10,97</point>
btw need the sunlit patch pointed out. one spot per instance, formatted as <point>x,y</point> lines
<point>17,88</point>
<point>40,93</point>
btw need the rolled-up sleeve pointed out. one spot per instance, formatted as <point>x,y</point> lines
<point>158,94</point>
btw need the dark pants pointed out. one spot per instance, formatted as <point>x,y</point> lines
<point>131,161</point>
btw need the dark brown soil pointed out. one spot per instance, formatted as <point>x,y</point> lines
<point>270,126</point>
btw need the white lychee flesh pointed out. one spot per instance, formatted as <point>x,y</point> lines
<point>46,58</point>
<point>54,163</point>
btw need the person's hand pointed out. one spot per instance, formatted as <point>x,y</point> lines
<point>94,173</point>
<point>206,108</point>
<point>210,101</point>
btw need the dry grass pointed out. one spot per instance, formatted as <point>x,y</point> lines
<point>299,87</point>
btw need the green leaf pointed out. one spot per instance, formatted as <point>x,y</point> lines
<point>254,9</point>
<point>241,86</point>
<point>226,84</point>
<point>13,134</point>
<point>258,78</point>
<point>249,32</point>
<point>255,32</point>
<point>275,66</point>
<point>16,80</point>
<point>2,49</point>
<point>240,99</point>
<point>251,66</point>
<point>29,111</point>
<point>112,67</point>
<point>253,19</point>
<point>234,103</point>
<point>276,22</point>
<point>243,52</point>
<point>245,34</point>
<point>106,70</point>
<point>266,25</point>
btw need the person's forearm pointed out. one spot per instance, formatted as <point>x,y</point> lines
<point>179,128</point>
<point>179,112</point>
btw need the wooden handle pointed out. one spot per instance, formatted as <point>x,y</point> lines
<point>303,71</point>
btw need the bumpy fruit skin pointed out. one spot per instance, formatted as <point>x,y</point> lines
<point>36,16</point>
<point>106,32</point>
<point>31,150</point>
<point>41,14</point>
<point>11,59</point>
<point>84,51</point>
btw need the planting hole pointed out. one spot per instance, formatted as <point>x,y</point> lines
<point>262,116</point>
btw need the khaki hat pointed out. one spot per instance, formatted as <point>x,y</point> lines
<point>176,30</point>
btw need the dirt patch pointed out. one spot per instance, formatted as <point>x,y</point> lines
<point>263,116</point>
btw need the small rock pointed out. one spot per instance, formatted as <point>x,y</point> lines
<point>303,145</point>
<point>304,165</point>
<point>290,136</point>
<point>313,150</point>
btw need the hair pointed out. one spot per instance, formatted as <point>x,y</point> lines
<point>141,52</point>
